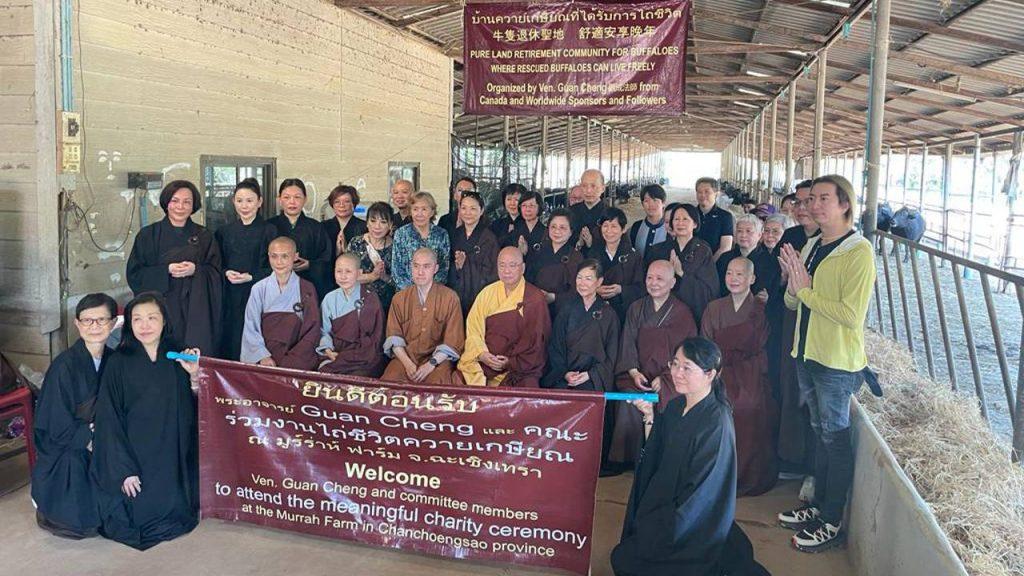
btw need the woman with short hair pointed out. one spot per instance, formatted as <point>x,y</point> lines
<point>419,233</point>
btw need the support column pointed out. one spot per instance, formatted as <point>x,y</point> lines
<point>771,150</point>
<point>947,180</point>
<point>543,153</point>
<point>790,135</point>
<point>924,170</point>
<point>819,112</point>
<point>568,153</point>
<point>906,175</point>
<point>888,171</point>
<point>586,152</point>
<point>876,115</point>
<point>974,196</point>
<point>760,156</point>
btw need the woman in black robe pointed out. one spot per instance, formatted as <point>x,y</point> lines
<point>145,454</point>
<point>691,258</point>
<point>243,248</point>
<point>680,516</point>
<point>551,265</point>
<point>505,226</point>
<point>61,488</point>
<point>314,247</point>
<point>623,266</point>
<point>345,225</point>
<point>529,231</point>
<point>474,253</point>
<point>181,260</point>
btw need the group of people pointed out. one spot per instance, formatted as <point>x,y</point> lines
<point>749,331</point>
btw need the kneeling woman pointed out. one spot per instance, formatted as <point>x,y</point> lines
<point>683,501</point>
<point>145,456</point>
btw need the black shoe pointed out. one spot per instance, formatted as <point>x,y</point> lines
<point>800,518</point>
<point>818,537</point>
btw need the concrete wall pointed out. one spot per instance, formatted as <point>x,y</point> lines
<point>21,337</point>
<point>330,95</point>
<point>892,532</point>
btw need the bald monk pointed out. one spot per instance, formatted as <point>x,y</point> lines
<point>425,334</point>
<point>352,326</point>
<point>655,326</point>
<point>282,317</point>
<point>507,329</point>
<point>737,324</point>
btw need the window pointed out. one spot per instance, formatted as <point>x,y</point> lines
<point>404,171</point>
<point>221,173</point>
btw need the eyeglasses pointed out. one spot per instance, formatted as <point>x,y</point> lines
<point>686,368</point>
<point>101,322</point>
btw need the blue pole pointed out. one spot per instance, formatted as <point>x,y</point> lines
<point>180,356</point>
<point>626,396</point>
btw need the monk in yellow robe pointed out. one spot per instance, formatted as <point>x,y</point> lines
<point>507,329</point>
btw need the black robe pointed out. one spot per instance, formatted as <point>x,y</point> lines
<point>626,269</point>
<point>355,227</point>
<point>193,303</point>
<point>533,238</point>
<point>583,217</point>
<point>146,427</point>
<point>505,227</point>
<point>767,272</point>
<point>397,220</point>
<point>583,341</point>
<point>61,488</point>
<point>313,245</point>
<point>683,501</point>
<point>243,249</point>
<point>699,284</point>
<point>480,268</point>
<point>553,272</point>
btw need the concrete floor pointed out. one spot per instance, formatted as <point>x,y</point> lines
<point>218,548</point>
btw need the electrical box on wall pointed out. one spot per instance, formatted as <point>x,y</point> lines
<point>70,142</point>
<point>146,180</point>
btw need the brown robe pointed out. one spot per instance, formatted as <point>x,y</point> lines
<point>424,327</point>
<point>358,337</point>
<point>648,339</point>
<point>521,335</point>
<point>290,338</point>
<point>480,268</point>
<point>742,335</point>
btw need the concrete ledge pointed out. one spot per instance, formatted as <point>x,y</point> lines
<point>892,532</point>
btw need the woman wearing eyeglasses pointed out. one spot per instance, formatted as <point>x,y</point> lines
<point>63,427</point>
<point>680,517</point>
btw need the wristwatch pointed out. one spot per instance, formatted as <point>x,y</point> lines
<point>434,362</point>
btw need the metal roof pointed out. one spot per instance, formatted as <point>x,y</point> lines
<point>970,48</point>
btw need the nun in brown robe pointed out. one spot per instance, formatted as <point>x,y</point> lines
<point>474,252</point>
<point>352,325</point>
<point>650,335</point>
<point>551,266</point>
<point>691,258</point>
<point>741,332</point>
<point>425,333</point>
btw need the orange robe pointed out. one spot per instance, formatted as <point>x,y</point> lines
<point>425,329</point>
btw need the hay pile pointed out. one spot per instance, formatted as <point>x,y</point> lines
<point>957,464</point>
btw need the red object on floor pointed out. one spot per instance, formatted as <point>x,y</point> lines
<point>19,403</point>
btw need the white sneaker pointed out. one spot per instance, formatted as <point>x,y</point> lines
<point>817,537</point>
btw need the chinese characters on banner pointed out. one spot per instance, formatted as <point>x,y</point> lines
<point>575,57</point>
<point>486,474</point>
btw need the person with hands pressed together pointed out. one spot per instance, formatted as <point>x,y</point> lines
<point>352,325</point>
<point>474,252</point>
<point>551,265</point>
<point>507,330</point>
<point>829,284</point>
<point>749,231</point>
<point>182,261</point>
<point>145,450</point>
<point>691,260</point>
<point>425,333</point>
<point>282,317</point>
<point>312,243</point>
<point>374,250</point>
<point>586,215</point>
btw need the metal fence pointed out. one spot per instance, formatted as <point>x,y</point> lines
<point>942,292</point>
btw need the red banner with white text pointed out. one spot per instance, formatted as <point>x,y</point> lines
<point>575,57</point>
<point>487,474</point>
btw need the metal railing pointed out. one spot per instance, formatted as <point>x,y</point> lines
<point>934,275</point>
